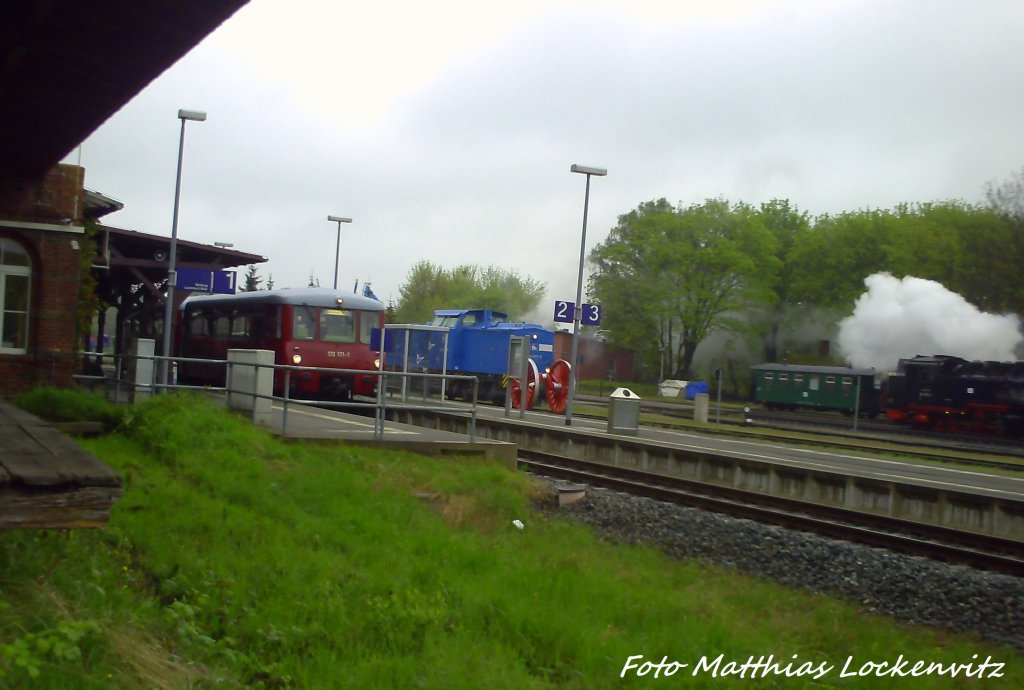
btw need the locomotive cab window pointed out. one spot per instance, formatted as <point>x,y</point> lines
<point>443,321</point>
<point>15,282</point>
<point>337,326</point>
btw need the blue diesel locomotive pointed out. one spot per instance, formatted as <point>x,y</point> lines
<point>478,345</point>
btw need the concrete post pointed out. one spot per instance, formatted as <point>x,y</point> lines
<point>246,381</point>
<point>701,402</point>
<point>140,371</point>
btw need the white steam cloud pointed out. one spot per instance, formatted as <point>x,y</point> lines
<point>903,318</point>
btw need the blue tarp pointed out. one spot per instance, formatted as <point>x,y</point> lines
<point>695,387</point>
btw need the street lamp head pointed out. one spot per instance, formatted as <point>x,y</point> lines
<point>339,219</point>
<point>194,115</point>
<point>588,170</point>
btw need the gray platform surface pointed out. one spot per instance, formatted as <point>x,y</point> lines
<point>322,424</point>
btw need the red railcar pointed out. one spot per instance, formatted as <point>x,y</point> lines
<point>312,327</point>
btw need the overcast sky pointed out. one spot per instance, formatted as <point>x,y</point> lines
<point>446,130</point>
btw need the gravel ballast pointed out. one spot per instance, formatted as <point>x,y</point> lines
<point>909,588</point>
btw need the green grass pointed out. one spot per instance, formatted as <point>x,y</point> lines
<point>59,405</point>
<point>236,560</point>
<point>603,388</point>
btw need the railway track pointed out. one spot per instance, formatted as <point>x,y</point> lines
<point>836,427</point>
<point>979,551</point>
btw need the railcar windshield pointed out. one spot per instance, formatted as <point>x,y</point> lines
<point>337,326</point>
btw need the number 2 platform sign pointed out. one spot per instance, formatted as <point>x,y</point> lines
<point>590,314</point>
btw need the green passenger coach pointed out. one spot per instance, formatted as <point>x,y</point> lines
<point>792,386</point>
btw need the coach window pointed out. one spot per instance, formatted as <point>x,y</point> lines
<point>240,326</point>
<point>15,283</point>
<point>222,325</point>
<point>337,326</point>
<point>273,322</point>
<point>197,323</point>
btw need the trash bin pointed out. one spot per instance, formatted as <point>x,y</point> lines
<point>624,412</point>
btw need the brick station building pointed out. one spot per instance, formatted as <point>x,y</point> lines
<point>41,236</point>
<point>65,67</point>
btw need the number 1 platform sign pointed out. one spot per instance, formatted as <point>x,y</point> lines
<point>590,314</point>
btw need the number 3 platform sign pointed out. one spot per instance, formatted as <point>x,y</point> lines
<point>590,315</point>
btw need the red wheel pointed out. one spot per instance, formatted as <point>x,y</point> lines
<point>557,391</point>
<point>532,377</point>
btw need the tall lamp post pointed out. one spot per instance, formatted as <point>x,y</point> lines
<point>588,171</point>
<point>172,275</point>
<point>337,248</point>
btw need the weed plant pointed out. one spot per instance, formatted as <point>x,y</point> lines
<point>238,560</point>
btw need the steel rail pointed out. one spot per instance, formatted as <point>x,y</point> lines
<point>984,552</point>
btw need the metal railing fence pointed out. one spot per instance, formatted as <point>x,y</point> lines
<point>124,363</point>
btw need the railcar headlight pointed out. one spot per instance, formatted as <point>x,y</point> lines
<point>296,359</point>
<point>376,363</point>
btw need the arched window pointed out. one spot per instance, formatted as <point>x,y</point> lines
<point>15,283</point>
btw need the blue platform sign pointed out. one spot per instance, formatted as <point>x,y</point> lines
<point>590,314</point>
<point>201,280</point>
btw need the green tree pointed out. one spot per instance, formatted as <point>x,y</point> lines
<point>790,227</point>
<point>1007,197</point>
<point>924,241</point>
<point>428,287</point>
<point>974,251</point>
<point>1007,242</point>
<point>832,261</point>
<point>252,279</point>
<point>669,276</point>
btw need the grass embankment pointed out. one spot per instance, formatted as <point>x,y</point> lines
<point>237,560</point>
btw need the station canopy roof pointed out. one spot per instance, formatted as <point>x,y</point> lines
<point>68,65</point>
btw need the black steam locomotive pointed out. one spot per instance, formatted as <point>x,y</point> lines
<point>953,395</point>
